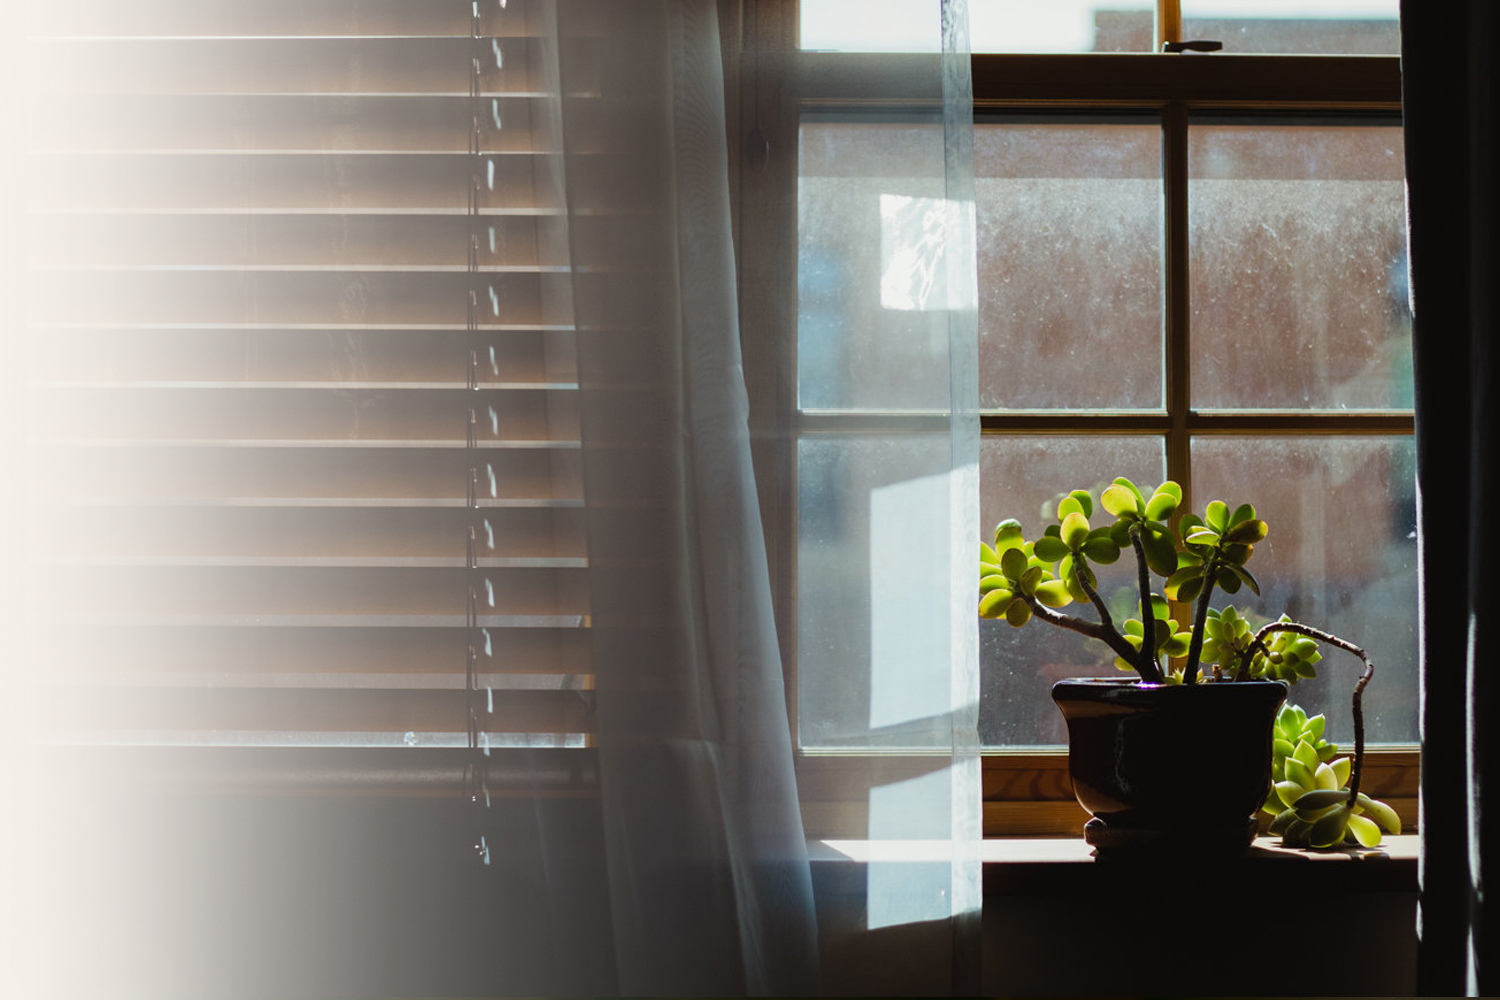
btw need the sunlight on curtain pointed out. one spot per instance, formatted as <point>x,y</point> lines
<point>886,451</point>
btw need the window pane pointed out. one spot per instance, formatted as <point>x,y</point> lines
<point>1313,27</point>
<point>1070,230</point>
<point>872,325</point>
<point>873,591</point>
<point>1298,257</point>
<point>1341,555</point>
<point>1022,477</point>
<point>994,26</point>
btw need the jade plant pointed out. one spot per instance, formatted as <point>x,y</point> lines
<point>1315,797</point>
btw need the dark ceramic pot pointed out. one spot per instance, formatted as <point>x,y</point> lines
<point>1169,765</point>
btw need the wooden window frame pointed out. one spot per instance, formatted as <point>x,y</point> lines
<point>1026,791</point>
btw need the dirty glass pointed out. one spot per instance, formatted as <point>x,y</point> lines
<point>1298,267</point>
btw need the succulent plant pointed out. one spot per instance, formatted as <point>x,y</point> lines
<point>1316,799</point>
<point>1310,797</point>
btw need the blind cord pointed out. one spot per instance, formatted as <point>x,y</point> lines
<point>475,788</point>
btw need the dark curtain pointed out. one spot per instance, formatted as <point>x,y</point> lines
<point>1448,94</point>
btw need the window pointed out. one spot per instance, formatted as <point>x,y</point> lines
<point>301,383</point>
<point>1191,266</point>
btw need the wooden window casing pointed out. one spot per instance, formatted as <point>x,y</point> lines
<point>1026,791</point>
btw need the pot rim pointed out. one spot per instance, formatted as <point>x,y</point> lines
<point>1115,688</point>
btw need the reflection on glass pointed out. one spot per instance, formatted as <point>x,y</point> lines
<point>1022,477</point>
<point>1341,555</point>
<point>1070,288</point>
<point>994,26</point>
<point>1311,27</point>
<point>1298,268</point>
<point>873,593</point>
<point>871,330</point>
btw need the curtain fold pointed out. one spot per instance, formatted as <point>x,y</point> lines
<point>709,878</point>
<point>1448,83</point>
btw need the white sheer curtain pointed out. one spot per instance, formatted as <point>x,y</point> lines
<point>709,880</point>
<point>708,874</point>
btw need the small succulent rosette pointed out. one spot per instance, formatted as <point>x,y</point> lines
<point>1310,795</point>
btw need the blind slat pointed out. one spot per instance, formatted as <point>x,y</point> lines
<point>252,373</point>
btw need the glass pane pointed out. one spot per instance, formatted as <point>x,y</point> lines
<point>994,26</point>
<point>873,591</point>
<point>1341,555</point>
<point>872,326</point>
<point>1070,287</point>
<point>1022,477</point>
<point>1330,27</point>
<point>1298,258</point>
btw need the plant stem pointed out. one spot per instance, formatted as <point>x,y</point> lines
<point>1111,638</point>
<point>1088,588</point>
<point>1200,620</point>
<point>1359,685</point>
<point>1146,664</point>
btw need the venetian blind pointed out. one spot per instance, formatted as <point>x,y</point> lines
<point>300,328</point>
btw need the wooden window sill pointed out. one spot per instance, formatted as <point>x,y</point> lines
<point>1031,864</point>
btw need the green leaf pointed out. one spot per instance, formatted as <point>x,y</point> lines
<point>995,603</point>
<point>1301,774</point>
<point>1246,532</point>
<point>1330,827</point>
<point>1237,554</point>
<point>1177,645</point>
<point>1283,820</point>
<point>994,581</point>
<point>1341,769</point>
<point>1289,791</point>
<point>1243,576</point>
<point>1296,833</point>
<point>1069,505</point>
<point>1202,536</point>
<point>1366,832</point>
<point>1014,562</point>
<point>1085,500</point>
<point>1186,591</point>
<point>1054,594</point>
<point>1161,506</point>
<point>1018,613</point>
<point>1030,579</point>
<point>1120,501</point>
<point>1140,499</point>
<point>1075,530</point>
<point>1326,777</point>
<point>1243,512</point>
<point>988,555</point>
<point>1050,549</point>
<point>1228,582</point>
<point>1380,813</point>
<point>1160,609</point>
<point>1101,548</point>
<point>1307,755</point>
<point>1008,534</point>
<point>1216,515</point>
<point>1161,554</point>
